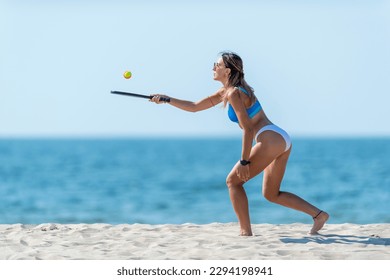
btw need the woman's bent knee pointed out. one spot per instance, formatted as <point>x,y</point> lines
<point>271,197</point>
<point>232,182</point>
<point>229,182</point>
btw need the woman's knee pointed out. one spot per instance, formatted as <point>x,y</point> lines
<point>231,181</point>
<point>271,196</point>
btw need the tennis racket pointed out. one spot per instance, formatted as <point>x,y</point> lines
<point>162,99</point>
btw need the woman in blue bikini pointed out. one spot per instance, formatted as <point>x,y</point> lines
<point>270,152</point>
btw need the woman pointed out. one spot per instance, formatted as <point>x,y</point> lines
<point>270,153</point>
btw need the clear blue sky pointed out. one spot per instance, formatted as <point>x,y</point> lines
<point>319,68</point>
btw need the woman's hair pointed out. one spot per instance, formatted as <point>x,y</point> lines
<point>236,78</point>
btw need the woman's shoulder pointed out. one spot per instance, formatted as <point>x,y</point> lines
<point>227,92</point>
<point>232,92</point>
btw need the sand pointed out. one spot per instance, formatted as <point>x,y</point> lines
<point>193,242</point>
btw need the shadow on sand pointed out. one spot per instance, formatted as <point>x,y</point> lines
<point>340,239</point>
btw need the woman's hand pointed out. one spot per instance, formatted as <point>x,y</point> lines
<point>159,98</point>
<point>243,172</point>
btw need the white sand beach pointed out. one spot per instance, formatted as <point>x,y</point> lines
<point>193,242</point>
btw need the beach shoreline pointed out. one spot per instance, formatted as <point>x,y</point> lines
<point>216,241</point>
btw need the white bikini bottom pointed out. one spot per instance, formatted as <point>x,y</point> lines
<point>278,130</point>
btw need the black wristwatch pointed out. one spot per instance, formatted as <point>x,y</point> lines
<point>244,162</point>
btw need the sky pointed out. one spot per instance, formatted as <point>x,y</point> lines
<point>319,68</point>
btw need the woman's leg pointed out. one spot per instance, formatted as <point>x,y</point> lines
<point>240,204</point>
<point>263,153</point>
<point>273,175</point>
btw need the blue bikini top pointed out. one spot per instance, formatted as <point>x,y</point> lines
<point>252,111</point>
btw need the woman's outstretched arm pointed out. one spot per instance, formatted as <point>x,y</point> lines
<point>191,106</point>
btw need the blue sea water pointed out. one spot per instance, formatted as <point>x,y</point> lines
<point>174,181</point>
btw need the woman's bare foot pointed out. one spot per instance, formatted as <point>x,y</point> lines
<point>319,221</point>
<point>246,233</point>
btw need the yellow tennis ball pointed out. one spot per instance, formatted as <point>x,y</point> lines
<point>127,75</point>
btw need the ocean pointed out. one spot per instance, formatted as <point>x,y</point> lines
<point>176,181</point>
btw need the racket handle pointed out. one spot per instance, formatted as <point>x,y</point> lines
<point>165,99</point>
